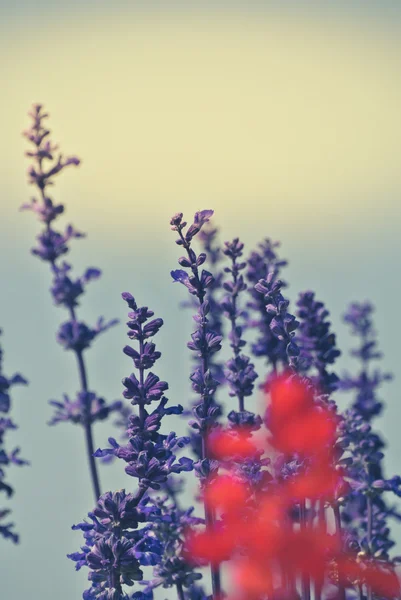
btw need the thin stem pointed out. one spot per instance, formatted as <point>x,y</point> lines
<point>180,591</point>
<point>83,378</point>
<point>88,427</point>
<point>142,411</point>
<point>337,518</point>
<point>369,507</point>
<point>305,578</point>
<point>322,526</point>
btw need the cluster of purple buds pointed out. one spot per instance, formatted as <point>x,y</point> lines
<point>71,410</point>
<point>240,372</point>
<point>74,335</point>
<point>366,511</point>
<point>317,343</point>
<point>115,548</point>
<point>365,384</point>
<point>207,237</point>
<point>282,323</point>
<point>173,570</point>
<point>150,455</point>
<point>7,457</point>
<point>205,342</point>
<point>260,264</point>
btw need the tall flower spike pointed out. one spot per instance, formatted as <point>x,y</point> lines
<point>366,512</point>
<point>207,236</point>
<point>205,343</point>
<point>115,548</point>
<point>282,323</point>
<point>7,457</point>
<point>317,343</point>
<point>173,570</point>
<point>150,455</point>
<point>365,384</point>
<point>113,554</point>
<point>260,264</point>
<point>66,290</point>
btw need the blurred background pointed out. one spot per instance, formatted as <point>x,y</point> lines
<point>283,117</point>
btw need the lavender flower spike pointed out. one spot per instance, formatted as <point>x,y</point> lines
<point>115,548</point>
<point>240,372</point>
<point>7,457</point>
<point>52,245</point>
<point>282,323</point>
<point>150,455</point>
<point>317,343</point>
<point>367,512</point>
<point>365,384</point>
<point>260,263</point>
<point>204,343</point>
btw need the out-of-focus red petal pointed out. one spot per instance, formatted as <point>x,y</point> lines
<point>226,494</point>
<point>384,583</point>
<point>253,579</point>
<point>308,551</point>
<point>308,434</point>
<point>321,481</point>
<point>210,546</point>
<point>289,397</point>
<point>223,445</point>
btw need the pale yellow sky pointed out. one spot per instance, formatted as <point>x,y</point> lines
<point>268,113</point>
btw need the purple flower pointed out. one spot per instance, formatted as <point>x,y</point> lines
<point>115,549</point>
<point>260,264</point>
<point>7,457</point>
<point>368,380</point>
<point>66,290</point>
<point>366,512</point>
<point>316,342</point>
<point>240,373</point>
<point>205,342</point>
<point>282,323</point>
<point>169,529</point>
<point>151,456</point>
<point>76,411</point>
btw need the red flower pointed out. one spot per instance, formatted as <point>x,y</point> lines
<point>227,494</point>
<point>235,443</point>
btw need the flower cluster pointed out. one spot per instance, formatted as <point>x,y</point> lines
<point>173,570</point>
<point>268,553</point>
<point>366,513</point>
<point>207,237</point>
<point>52,245</point>
<point>365,384</point>
<point>317,342</point>
<point>115,549</point>
<point>205,342</point>
<point>282,324</point>
<point>296,500</point>
<point>240,373</point>
<point>7,457</point>
<point>261,263</point>
<point>150,455</point>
